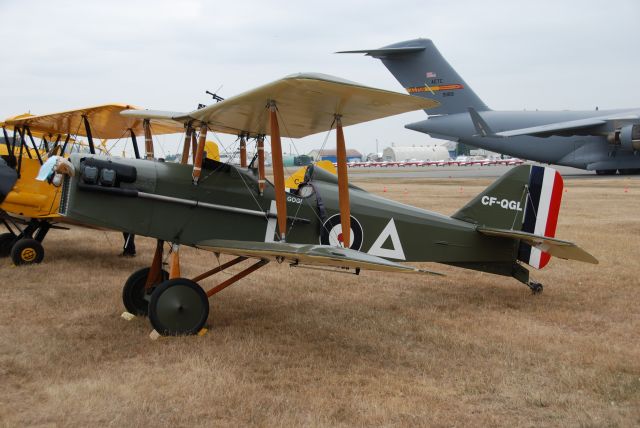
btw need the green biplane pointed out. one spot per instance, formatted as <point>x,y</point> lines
<point>326,223</point>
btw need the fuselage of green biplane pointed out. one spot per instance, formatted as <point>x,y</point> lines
<point>226,204</point>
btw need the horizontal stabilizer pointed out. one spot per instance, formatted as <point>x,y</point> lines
<point>307,254</point>
<point>572,127</point>
<point>376,53</point>
<point>556,247</point>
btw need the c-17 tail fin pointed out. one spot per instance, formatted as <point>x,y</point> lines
<point>423,71</point>
<point>524,205</point>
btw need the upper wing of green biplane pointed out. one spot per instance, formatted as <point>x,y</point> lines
<point>307,254</point>
<point>105,121</point>
<point>306,102</point>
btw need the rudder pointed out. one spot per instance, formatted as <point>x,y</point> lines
<point>423,71</point>
<point>541,212</point>
<point>527,199</point>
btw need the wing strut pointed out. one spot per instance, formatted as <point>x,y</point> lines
<point>10,152</point>
<point>65,144</point>
<point>343,184</point>
<point>197,163</point>
<point>56,144</point>
<point>278,170</point>
<point>243,151</point>
<point>134,143</point>
<point>187,145</point>
<point>148,140</point>
<point>194,145</point>
<point>87,128</point>
<point>33,143</point>
<point>261,174</point>
<point>45,143</point>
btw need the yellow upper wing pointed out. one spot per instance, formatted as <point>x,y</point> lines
<point>105,122</point>
<point>307,104</point>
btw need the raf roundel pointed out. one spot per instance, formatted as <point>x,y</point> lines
<point>331,233</point>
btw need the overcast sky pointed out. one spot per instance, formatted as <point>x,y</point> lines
<point>162,54</point>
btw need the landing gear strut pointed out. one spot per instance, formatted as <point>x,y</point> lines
<point>176,306</point>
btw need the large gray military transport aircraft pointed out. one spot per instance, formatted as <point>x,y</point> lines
<point>601,141</point>
<point>324,223</point>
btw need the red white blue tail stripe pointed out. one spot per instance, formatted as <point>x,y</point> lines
<point>541,212</point>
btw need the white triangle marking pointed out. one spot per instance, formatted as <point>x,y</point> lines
<point>389,231</point>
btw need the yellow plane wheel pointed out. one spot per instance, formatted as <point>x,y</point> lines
<point>133,293</point>
<point>27,251</point>
<point>6,242</point>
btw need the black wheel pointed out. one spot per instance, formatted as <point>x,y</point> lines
<point>536,287</point>
<point>27,251</point>
<point>6,242</point>
<point>135,300</point>
<point>178,307</point>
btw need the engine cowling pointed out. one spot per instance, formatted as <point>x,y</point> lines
<point>626,138</point>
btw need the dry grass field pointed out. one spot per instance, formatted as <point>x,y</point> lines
<point>298,347</point>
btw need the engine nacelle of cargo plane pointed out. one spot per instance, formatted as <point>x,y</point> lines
<point>630,137</point>
<point>627,137</point>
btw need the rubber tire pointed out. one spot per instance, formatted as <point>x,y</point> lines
<point>6,242</point>
<point>178,307</point>
<point>27,251</point>
<point>133,294</point>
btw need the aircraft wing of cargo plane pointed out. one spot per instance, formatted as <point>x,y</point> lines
<point>603,141</point>
<point>326,223</point>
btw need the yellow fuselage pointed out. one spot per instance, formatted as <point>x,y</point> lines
<point>29,197</point>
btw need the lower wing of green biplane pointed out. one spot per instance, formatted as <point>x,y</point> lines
<point>308,255</point>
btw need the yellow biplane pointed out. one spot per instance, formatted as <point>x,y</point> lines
<point>28,207</point>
